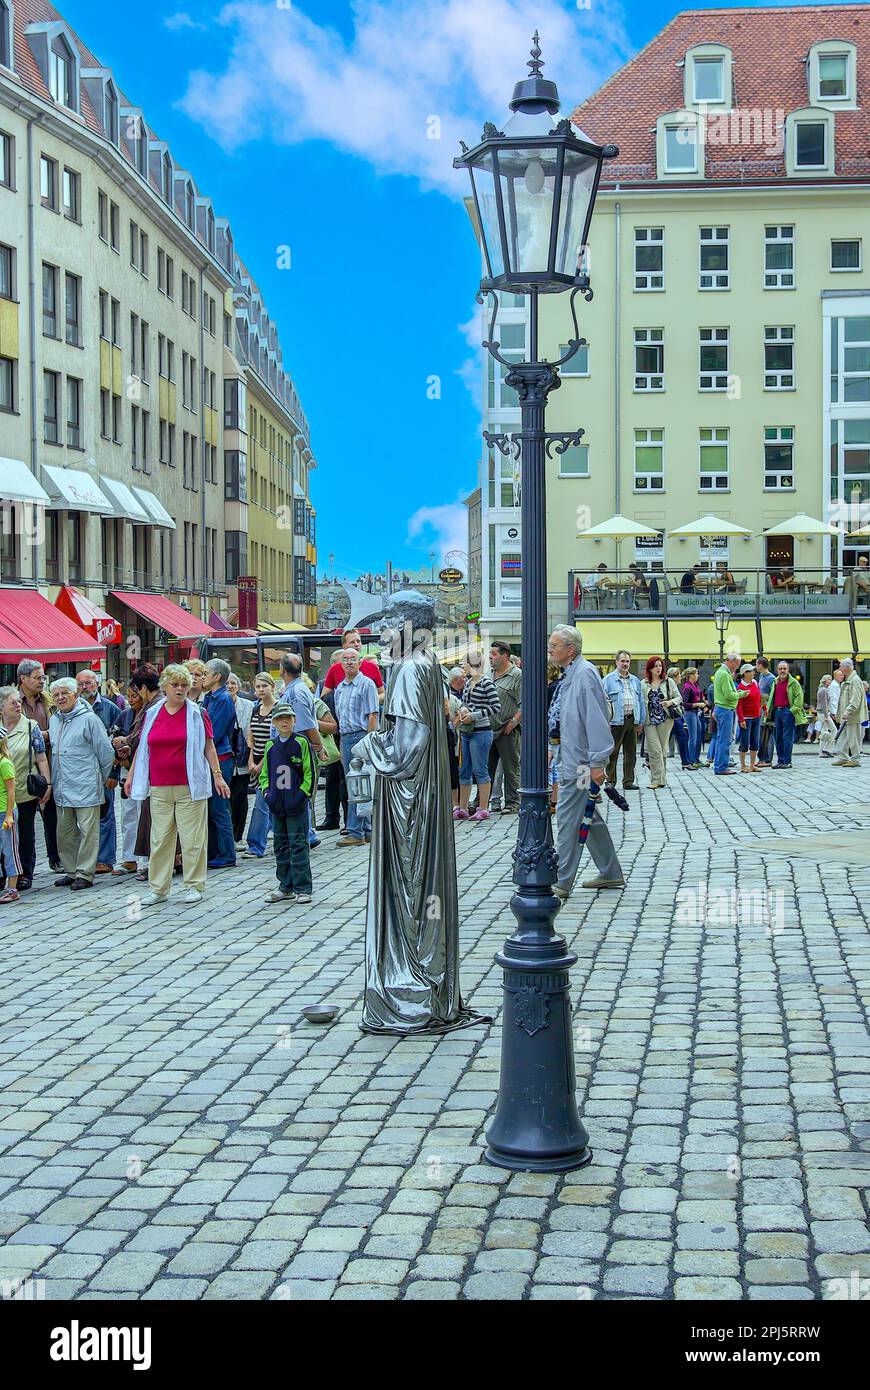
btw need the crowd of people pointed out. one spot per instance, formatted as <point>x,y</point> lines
<point>186,747</point>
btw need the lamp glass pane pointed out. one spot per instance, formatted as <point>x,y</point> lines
<point>578,182</point>
<point>527,181</point>
<point>483,178</point>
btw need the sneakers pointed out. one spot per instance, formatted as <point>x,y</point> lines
<point>480,814</point>
<point>150,899</point>
<point>276,896</point>
<point>303,897</point>
<point>846,762</point>
<point>191,897</point>
<point>252,854</point>
<point>459,814</point>
<point>350,840</point>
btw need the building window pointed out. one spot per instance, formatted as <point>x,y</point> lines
<point>778,458</point>
<point>111,114</point>
<point>103,216</point>
<point>846,255</point>
<point>189,204</point>
<point>834,75</point>
<point>7,272</point>
<point>713,258</point>
<point>649,359</point>
<point>134,245</point>
<point>134,436</point>
<point>681,148</point>
<point>116,323</point>
<point>115,226</point>
<point>649,258</point>
<point>235,403</point>
<point>74,412</point>
<point>235,475</point>
<point>143,254</point>
<point>578,365</point>
<point>105,414</point>
<point>779,358</point>
<point>7,383</point>
<point>713,359</point>
<point>574,463</point>
<point>60,71</point>
<point>649,460</point>
<point>708,79</point>
<point>5,35</point>
<point>166,175</point>
<point>144,366</point>
<point>779,258</point>
<point>73,301</point>
<point>236,552</point>
<point>853,360</point>
<point>810,144</point>
<point>49,301</point>
<point>50,390</point>
<point>72,195</point>
<point>116,419</point>
<point>7,159</point>
<point>713,460</point>
<point>48,182</point>
<point>850,463</point>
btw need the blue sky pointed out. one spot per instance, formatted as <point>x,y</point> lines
<point>309,124</point>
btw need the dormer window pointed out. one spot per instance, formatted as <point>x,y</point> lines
<point>707,76</point>
<point>167,179</point>
<point>60,71</point>
<point>680,145</point>
<point>809,142</point>
<point>188,203</point>
<point>209,230</point>
<point>832,74</point>
<point>708,79</point>
<point>5,35</point>
<point>111,113</point>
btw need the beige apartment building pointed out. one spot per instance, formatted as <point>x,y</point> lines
<point>726,368</point>
<point>126,315</point>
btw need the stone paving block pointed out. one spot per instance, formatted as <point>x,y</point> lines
<point>125,1273</point>
<point>492,1287</point>
<point>423,1290</point>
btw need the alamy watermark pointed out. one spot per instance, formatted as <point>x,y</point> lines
<point>705,906</point>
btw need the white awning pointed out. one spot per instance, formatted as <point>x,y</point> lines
<point>124,504</point>
<point>72,490</point>
<point>155,508</point>
<point>17,483</point>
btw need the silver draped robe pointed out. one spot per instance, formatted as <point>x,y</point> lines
<point>412,913</point>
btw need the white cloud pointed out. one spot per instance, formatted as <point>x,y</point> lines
<point>181,20</point>
<point>412,69</point>
<point>441,529</point>
<point>469,372</point>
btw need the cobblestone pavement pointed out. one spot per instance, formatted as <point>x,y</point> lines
<point>171,1128</point>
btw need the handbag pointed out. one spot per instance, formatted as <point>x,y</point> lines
<point>37,785</point>
<point>677,707</point>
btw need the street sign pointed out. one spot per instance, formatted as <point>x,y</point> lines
<point>451,575</point>
<point>472,617</point>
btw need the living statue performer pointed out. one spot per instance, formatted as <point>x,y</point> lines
<point>412,912</point>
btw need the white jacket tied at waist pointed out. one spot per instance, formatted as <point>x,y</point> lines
<point>198,771</point>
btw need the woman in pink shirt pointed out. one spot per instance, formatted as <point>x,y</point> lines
<point>749,717</point>
<point>174,765</point>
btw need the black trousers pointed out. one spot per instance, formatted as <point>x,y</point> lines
<point>239,803</point>
<point>335,797</point>
<point>765,736</point>
<point>49,825</point>
<point>293,860</point>
<point>27,835</point>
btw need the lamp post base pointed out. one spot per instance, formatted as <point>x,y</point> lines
<point>537,1126</point>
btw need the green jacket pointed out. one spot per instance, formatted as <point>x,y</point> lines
<point>724,689</point>
<point>795,702</point>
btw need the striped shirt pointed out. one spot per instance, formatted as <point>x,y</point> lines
<point>483,701</point>
<point>259,732</point>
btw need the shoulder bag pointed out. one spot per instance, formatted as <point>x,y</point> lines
<point>37,785</point>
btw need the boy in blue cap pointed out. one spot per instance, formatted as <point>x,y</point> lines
<point>287,780</point>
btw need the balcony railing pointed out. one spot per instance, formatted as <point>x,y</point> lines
<point>744,592</point>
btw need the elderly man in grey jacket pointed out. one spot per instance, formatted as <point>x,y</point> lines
<point>82,757</point>
<point>586,742</point>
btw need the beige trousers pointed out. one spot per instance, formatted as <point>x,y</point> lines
<point>78,839</point>
<point>658,736</point>
<point>173,813</point>
<point>848,743</point>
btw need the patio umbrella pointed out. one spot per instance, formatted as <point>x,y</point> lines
<point>617,528</point>
<point>801,525</point>
<point>710,526</point>
<point>860,531</point>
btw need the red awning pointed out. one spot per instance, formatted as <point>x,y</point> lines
<point>31,626</point>
<point>163,613</point>
<point>95,620</point>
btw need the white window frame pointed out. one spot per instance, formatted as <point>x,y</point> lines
<point>832,48</point>
<point>846,269</point>
<point>706,53</point>
<point>778,434</point>
<point>686,120</point>
<point>714,337</point>
<point>860,374</point>
<point>803,163</point>
<point>578,451</point>
<point>708,60</point>
<point>718,435</point>
<point>647,482</point>
<point>719,279</point>
<point>678,168</point>
<point>779,378</point>
<point>649,381</point>
<point>646,237</point>
<point>578,365</point>
<point>774,278</point>
<point>818,115</point>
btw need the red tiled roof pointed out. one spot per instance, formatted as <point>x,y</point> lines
<point>769,46</point>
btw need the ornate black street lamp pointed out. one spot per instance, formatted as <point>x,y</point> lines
<point>722,618</point>
<point>534,187</point>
